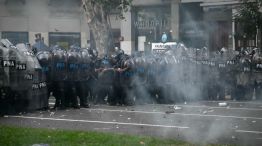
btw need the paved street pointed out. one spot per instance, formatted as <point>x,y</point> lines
<point>202,122</point>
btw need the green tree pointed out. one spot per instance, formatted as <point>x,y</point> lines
<point>249,16</point>
<point>97,13</point>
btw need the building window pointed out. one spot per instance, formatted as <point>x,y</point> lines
<point>242,39</point>
<point>191,30</point>
<point>64,40</point>
<point>150,22</point>
<point>15,37</point>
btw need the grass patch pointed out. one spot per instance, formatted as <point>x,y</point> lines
<point>16,136</point>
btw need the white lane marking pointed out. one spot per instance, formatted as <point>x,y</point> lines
<point>197,106</point>
<point>255,103</point>
<point>244,131</point>
<point>183,114</point>
<point>100,122</point>
<point>213,107</point>
<point>103,128</point>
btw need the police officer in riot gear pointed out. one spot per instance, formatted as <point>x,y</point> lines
<point>59,75</point>
<point>73,62</point>
<point>127,72</point>
<point>104,87</point>
<point>93,76</point>
<point>44,56</point>
<point>118,91</point>
<point>85,71</point>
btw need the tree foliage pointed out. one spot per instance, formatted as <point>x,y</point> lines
<point>249,16</point>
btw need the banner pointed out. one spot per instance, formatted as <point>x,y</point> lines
<point>158,47</point>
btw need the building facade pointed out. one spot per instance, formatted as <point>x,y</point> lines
<point>59,22</point>
<point>197,23</point>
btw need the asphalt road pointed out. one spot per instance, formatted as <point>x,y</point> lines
<point>203,122</point>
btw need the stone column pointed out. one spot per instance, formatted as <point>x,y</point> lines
<point>126,32</point>
<point>85,32</point>
<point>259,35</point>
<point>38,19</point>
<point>175,19</point>
<point>233,29</point>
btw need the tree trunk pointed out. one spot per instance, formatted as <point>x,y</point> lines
<point>103,38</point>
<point>98,22</point>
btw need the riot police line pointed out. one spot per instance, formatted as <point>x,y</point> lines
<point>177,74</point>
<point>224,74</point>
<point>30,74</point>
<point>22,83</point>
